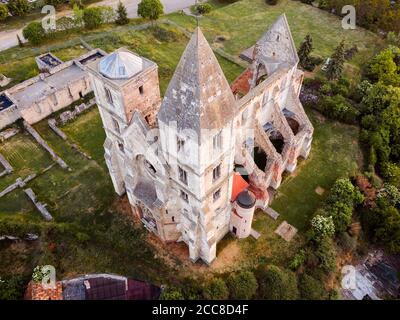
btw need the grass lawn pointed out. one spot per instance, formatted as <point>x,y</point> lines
<point>88,133</point>
<point>25,156</point>
<point>335,153</point>
<point>244,22</point>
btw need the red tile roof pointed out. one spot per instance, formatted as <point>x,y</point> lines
<point>238,185</point>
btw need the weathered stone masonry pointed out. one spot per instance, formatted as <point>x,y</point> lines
<point>176,158</point>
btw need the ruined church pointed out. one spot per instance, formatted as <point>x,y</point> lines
<point>196,163</point>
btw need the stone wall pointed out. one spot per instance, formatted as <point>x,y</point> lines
<point>44,144</point>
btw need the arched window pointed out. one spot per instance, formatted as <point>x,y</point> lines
<point>109,96</point>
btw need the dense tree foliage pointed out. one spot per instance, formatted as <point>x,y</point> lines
<point>342,200</point>
<point>322,227</point>
<point>3,12</point>
<point>277,284</point>
<point>371,14</point>
<point>310,288</point>
<point>92,17</point>
<point>150,9</point>
<point>18,7</point>
<point>12,287</point>
<point>216,290</point>
<point>242,285</point>
<point>34,33</point>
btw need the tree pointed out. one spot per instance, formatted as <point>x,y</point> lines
<point>34,33</point>
<point>344,191</point>
<point>242,285</point>
<point>277,284</point>
<point>122,15</point>
<point>383,224</point>
<point>326,254</point>
<point>92,17</point>
<point>322,227</point>
<point>385,67</point>
<point>150,9</point>
<point>203,8</point>
<point>341,214</point>
<point>310,288</point>
<point>216,290</point>
<point>304,51</point>
<point>390,193</point>
<point>335,66</point>
<point>3,12</point>
<point>18,7</point>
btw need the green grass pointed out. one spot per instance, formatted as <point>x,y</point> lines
<point>71,194</point>
<point>335,153</point>
<point>25,156</point>
<point>244,22</point>
<point>88,133</point>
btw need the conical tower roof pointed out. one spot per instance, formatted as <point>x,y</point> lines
<point>276,46</point>
<point>198,96</point>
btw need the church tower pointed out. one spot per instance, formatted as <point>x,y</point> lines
<point>197,142</point>
<point>123,83</point>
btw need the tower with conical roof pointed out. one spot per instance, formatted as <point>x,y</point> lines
<point>197,139</point>
<point>274,50</point>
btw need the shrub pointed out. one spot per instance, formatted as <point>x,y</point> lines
<point>338,107</point>
<point>38,274</point>
<point>108,14</point>
<point>341,214</point>
<point>298,260</point>
<point>242,285</point>
<point>66,23</point>
<point>322,227</point>
<point>390,193</point>
<point>92,17</point>
<point>216,290</point>
<point>277,284</point>
<point>18,7</point>
<point>347,242</point>
<point>12,287</point>
<point>344,191</point>
<point>310,288</point>
<point>203,8</point>
<point>391,172</point>
<point>172,294</point>
<point>326,255</point>
<point>3,12</point>
<point>272,2</point>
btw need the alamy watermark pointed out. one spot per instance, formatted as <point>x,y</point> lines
<point>349,20</point>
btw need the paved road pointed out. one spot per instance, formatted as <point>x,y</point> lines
<point>8,38</point>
